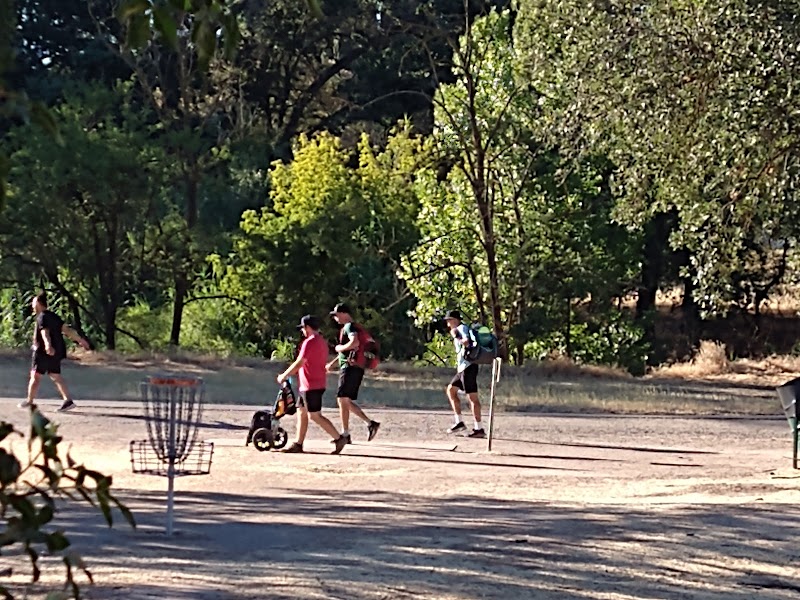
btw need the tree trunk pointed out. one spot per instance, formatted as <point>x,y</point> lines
<point>184,266</point>
<point>689,310</point>
<point>568,329</point>
<point>656,240</point>
<point>181,288</point>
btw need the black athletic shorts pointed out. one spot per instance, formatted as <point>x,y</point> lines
<point>312,399</point>
<point>44,363</point>
<point>349,381</point>
<point>467,380</point>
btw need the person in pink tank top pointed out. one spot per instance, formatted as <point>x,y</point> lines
<point>310,367</point>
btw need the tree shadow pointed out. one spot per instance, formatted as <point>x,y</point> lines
<point>336,544</point>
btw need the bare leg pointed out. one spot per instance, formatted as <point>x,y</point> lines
<point>58,380</point>
<point>356,409</point>
<point>455,402</point>
<point>33,386</point>
<point>476,407</point>
<point>344,412</point>
<point>302,424</point>
<point>325,423</point>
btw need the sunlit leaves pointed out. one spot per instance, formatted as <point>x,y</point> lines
<point>29,489</point>
<point>333,229</point>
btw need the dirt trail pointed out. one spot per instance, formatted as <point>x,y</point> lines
<point>563,507</point>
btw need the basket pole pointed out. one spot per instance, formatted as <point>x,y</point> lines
<point>171,464</point>
<point>495,379</point>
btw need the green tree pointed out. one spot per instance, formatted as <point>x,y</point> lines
<point>82,214</point>
<point>689,101</point>
<point>333,231</point>
<point>510,232</point>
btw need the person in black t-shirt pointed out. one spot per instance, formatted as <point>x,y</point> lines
<point>49,350</point>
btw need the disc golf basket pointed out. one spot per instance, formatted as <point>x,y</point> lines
<point>173,409</point>
<point>788,393</point>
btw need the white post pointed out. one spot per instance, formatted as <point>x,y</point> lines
<point>495,379</point>
<point>171,464</point>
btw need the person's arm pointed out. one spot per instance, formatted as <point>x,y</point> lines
<point>350,345</point>
<point>71,334</point>
<point>458,338</point>
<point>48,346</point>
<point>292,369</point>
<point>331,366</point>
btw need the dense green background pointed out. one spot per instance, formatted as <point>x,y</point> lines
<point>200,174</point>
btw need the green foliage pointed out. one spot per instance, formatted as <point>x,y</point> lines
<point>284,349</point>
<point>29,490</point>
<point>80,213</point>
<point>438,352</point>
<point>609,339</point>
<point>16,318</point>
<point>689,101</point>
<point>513,231</point>
<point>333,231</point>
<point>210,23</point>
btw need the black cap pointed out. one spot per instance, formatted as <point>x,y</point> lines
<point>341,308</point>
<point>309,321</point>
<point>453,314</point>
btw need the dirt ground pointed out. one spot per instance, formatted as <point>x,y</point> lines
<point>562,507</point>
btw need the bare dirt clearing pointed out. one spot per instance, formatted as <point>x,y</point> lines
<point>571,506</point>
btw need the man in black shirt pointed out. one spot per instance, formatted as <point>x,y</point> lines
<point>49,350</point>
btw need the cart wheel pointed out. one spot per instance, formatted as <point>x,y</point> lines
<point>262,439</point>
<point>280,439</point>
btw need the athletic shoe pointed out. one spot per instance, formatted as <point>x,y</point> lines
<point>68,405</point>
<point>457,427</point>
<point>340,442</point>
<point>24,404</point>
<point>347,439</point>
<point>295,448</point>
<point>372,428</point>
<point>477,433</point>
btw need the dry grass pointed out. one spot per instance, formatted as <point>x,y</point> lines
<point>711,359</point>
<point>710,384</point>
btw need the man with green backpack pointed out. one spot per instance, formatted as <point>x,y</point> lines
<point>466,378</point>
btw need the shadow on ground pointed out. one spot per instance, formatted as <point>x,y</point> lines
<point>364,545</point>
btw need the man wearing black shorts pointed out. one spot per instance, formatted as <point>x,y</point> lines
<point>310,365</point>
<point>49,350</point>
<point>466,378</point>
<point>350,373</point>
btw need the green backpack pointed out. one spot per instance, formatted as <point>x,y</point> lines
<point>484,346</point>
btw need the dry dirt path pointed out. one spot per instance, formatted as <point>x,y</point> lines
<point>563,507</point>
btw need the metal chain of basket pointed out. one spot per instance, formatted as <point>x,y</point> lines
<point>173,409</point>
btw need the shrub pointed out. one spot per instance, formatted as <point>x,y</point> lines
<point>28,493</point>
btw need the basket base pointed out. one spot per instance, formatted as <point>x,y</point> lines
<point>145,461</point>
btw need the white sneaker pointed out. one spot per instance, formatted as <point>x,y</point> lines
<point>24,404</point>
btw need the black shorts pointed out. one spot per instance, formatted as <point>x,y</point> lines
<point>349,381</point>
<point>312,400</point>
<point>467,380</point>
<point>44,363</point>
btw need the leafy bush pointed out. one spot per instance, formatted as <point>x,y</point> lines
<point>28,494</point>
<point>611,340</point>
<point>438,352</point>
<point>284,349</point>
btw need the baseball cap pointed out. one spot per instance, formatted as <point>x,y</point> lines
<point>309,321</point>
<point>453,314</point>
<point>341,308</point>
